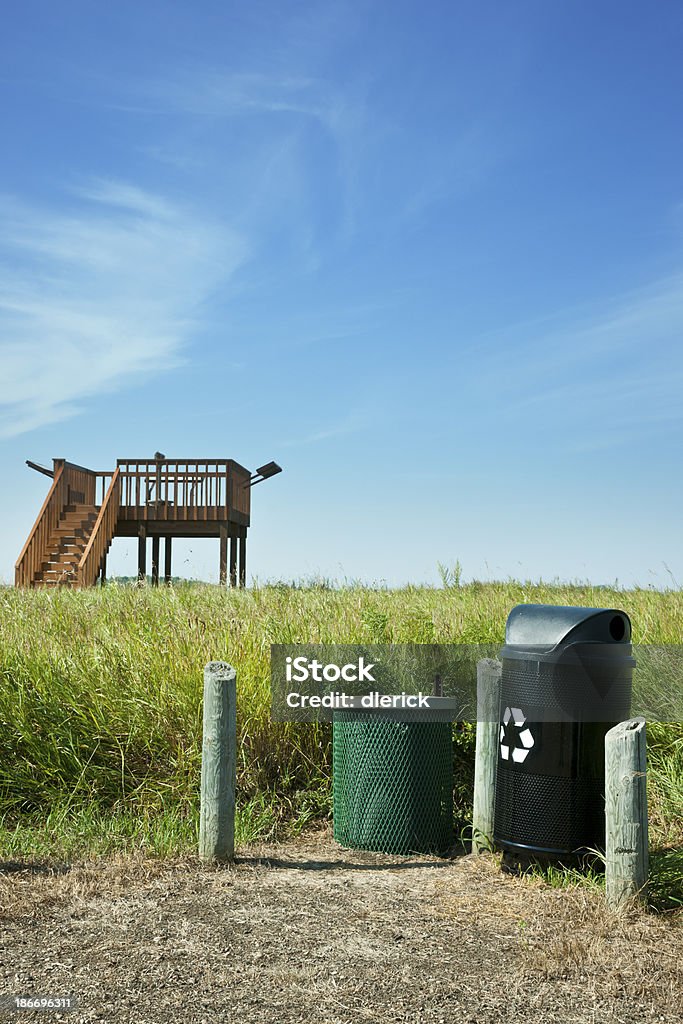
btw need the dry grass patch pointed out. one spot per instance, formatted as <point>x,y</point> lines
<point>567,937</point>
<point>310,931</point>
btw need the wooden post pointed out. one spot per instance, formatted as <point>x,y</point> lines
<point>142,554</point>
<point>103,574</point>
<point>243,557</point>
<point>626,855</point>
<point>217,806</point>
<point>155,561</point>
<point>486,756</point>
<point>167,561</point>
<point>223,563</point>
<point>233,559</point>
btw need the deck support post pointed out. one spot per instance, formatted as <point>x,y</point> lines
<point>155,561</point>
<point>223,566</point>
<point>243,557</point>
<point>233,558</point>
<point>142,554</point>
<point>167,561</point>
<point>103,571</point>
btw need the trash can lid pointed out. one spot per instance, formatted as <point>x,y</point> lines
<point>544,627</point>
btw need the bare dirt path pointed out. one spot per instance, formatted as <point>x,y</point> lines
<point>308,932</point>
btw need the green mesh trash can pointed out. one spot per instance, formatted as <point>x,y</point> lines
<point>392,778</point>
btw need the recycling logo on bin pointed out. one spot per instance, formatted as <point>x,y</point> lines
<point>514,737</point>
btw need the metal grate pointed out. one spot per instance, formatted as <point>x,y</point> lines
<point>592,692</point>
<point>546,812</point>
<point>392,783</point>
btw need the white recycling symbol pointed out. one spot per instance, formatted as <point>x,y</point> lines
<point>525,736</point>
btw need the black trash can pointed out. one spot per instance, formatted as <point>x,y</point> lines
<point>566,679</point>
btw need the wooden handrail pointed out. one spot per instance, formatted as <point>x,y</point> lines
<point>27,562</point>
<point>175,462</point>
<point>102,533</point>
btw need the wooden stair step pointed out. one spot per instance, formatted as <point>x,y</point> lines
<point>58,553</point>
<point>81,507</point>
<point>72,550</point>
<point>69,536</point>
<point>66,546</point>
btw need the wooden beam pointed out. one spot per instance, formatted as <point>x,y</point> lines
<point>233,558</point>
<point>223,561</point>
<point>155,561</point>
<point>103,570</point>
<point>243,556</point>
<point>142,554</point>
<point>41,469</point>
<point>167,561</point>
<point>217,798</point>
<point>486,754</point>
<point>177,528</point>
<point>626,832</point>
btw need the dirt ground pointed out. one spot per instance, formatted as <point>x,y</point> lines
<point>308,932</point>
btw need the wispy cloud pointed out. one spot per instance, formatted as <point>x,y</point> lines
<point>224,94</point>
<point>296,114</point>
<point>100,296</point>
<point>356,420</point>
<point>619,371</point>
<point>218,95</point>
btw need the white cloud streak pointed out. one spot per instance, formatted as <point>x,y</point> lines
<point>287,107</point>
<point>619,372</point>
<point>356,420</point>
<point>93,299</point>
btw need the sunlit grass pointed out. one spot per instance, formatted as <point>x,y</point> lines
<point>100,702</point>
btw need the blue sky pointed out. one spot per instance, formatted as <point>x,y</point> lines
<point>429,257</point>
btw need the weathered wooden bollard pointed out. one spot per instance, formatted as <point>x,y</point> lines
<point>486,755</point>
<point>217,806</point>
<point>626,833</point>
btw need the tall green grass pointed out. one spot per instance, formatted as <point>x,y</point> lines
<point>100,701</point>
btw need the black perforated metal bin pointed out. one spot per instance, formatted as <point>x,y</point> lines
<point>566,679</point>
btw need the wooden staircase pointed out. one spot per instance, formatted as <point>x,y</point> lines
<point>66,546</point>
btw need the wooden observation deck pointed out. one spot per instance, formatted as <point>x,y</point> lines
<point>145,498</point>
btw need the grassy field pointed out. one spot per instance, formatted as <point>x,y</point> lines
<point>100,704</point>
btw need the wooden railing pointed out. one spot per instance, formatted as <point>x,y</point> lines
<point>33,552</point>
<point>71,485</point>
<point>80,485</point>
<point>177,491</point>
<point>102,482</point>
<point>102,534</point>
